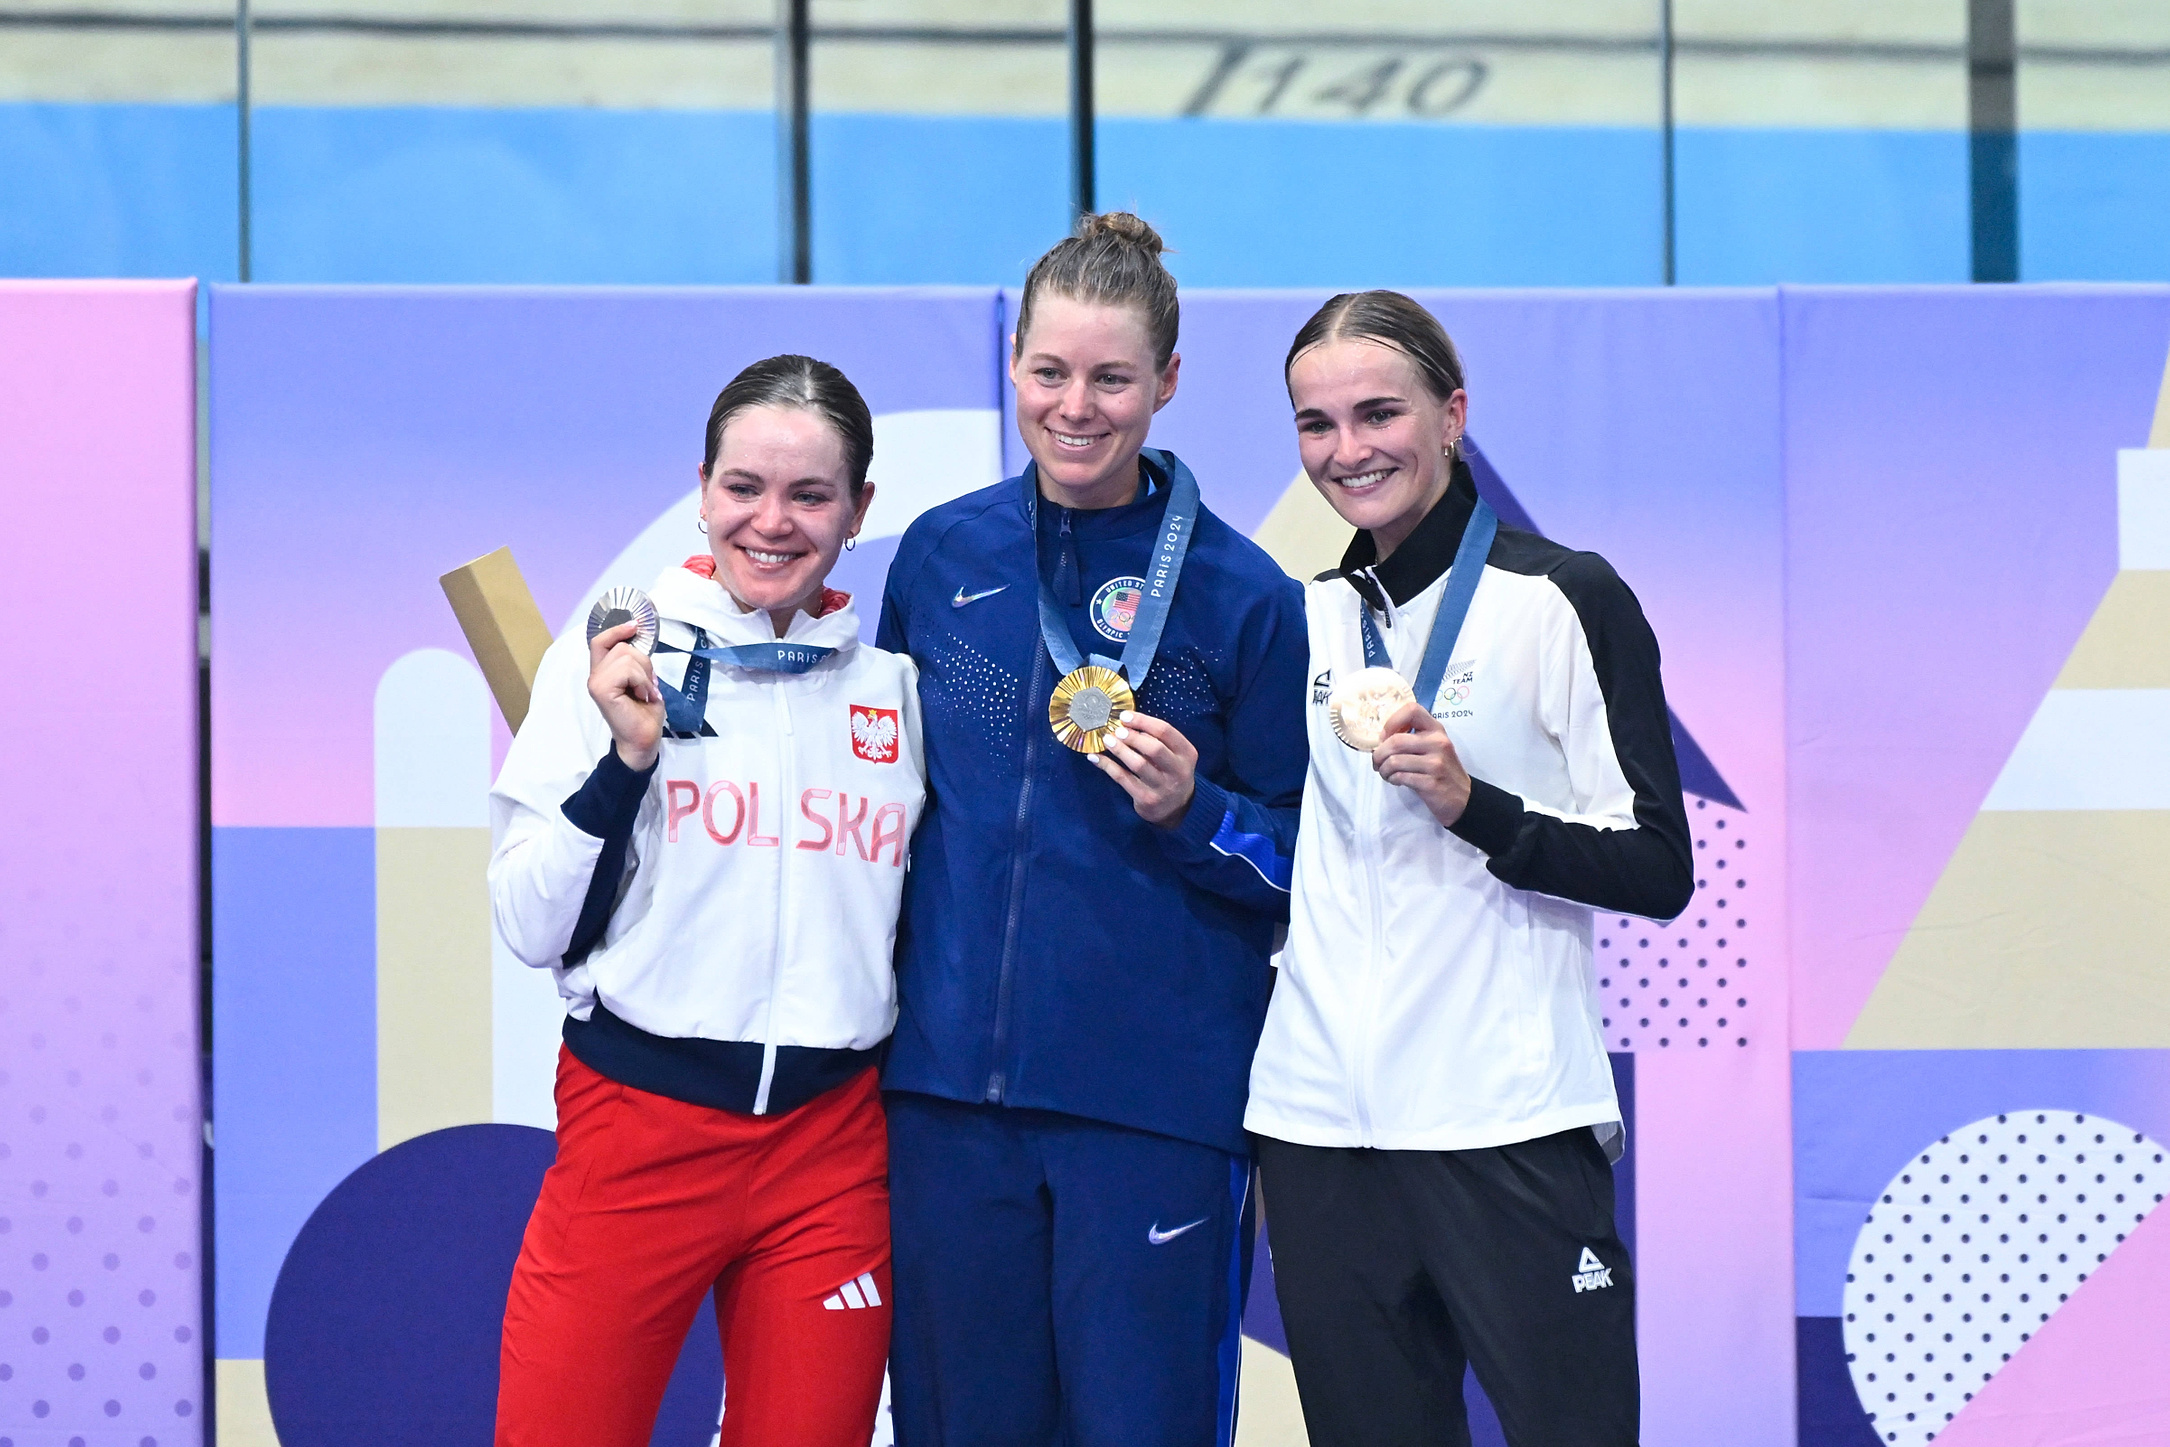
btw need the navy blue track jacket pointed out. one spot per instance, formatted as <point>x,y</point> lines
<point>1057,951</point>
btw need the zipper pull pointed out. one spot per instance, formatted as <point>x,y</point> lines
<point>1068,585</point>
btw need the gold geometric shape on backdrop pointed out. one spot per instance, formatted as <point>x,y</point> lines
<point>1302,533</point>
<point>433,981</point>
<point>2050,926</point>
<point>2049,930</point>
<point>2127,642</point>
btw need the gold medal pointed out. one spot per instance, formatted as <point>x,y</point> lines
<point>1086,703</point>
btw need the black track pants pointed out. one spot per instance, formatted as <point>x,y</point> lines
<point>1395,1268</point>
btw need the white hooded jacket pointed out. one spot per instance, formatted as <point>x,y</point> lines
<point>762,867</point>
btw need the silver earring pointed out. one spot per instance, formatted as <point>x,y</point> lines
<point>851,542</point>
<point>702,524</point>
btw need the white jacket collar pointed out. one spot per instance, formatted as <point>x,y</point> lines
<point>683,596</point>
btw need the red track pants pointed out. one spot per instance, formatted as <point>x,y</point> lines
<point>653,1202</point>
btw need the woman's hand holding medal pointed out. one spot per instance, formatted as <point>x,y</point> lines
<point>1155,764</point>
<point>622,681</point>
<point>1417,755</point>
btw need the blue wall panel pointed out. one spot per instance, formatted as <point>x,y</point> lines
<point>1295,203</point>
<point>118,190</point>
<point>294,1015</point>
<point>1763,206</point>
<point>2094,207</point>
<point>572,195</point>
<point>442,194</point>
<point>915,200</point>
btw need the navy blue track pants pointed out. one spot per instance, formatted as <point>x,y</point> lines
<point>1062,1282</point>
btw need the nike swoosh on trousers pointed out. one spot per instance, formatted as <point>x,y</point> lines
<point>1158,1237</point>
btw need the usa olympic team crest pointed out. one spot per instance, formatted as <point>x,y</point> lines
<point>1115,608</point>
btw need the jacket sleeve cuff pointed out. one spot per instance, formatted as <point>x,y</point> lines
<point>1209,806</point>
<point>1492,820</point>
<point>610,799</point>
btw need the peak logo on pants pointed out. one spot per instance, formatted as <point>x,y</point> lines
<point>874,733</point>
<point>1591,1274</point>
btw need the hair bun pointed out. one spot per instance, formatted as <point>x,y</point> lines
<point>1120,226</point>
<point>1111,259</point>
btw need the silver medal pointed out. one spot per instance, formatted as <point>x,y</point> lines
<point>625,605</point>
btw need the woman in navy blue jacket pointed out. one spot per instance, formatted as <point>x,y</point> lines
<point>1112,684</point>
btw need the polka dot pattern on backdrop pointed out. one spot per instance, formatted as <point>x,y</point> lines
<point>101,1142</point>
<point>1687,985</point>
<point>1974,1245</point>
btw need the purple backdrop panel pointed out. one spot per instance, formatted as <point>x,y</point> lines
<point>1875,1125</point>
<point>1714,1228</point>
<point>364,441</point>
<point>100,1130</point>
<point>1951,490</point>
<point>1861,1114</point>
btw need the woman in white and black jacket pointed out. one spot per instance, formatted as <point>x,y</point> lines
<point>706,848</point>
<point>1431,1098</point>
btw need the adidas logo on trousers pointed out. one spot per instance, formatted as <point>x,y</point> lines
<point>859,1293</point>
<point>1591,1274</point>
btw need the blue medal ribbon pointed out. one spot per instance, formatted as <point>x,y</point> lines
<point>1176,525</point>
<point>685,709</point>
<point>1462,579</point>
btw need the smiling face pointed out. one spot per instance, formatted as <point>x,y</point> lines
<point>778,506</point>
<point>1373,437</point>
<point>1087,390</point>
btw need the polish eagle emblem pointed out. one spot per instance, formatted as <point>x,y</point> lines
<point>874,734</point>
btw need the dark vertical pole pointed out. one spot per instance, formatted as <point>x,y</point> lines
<point>206,1171</point>
<point>793,43</point>
<point>1081,109</point>
<point>207,1099</point>
<point>242,106</point>
<point>1993,139</point>
<point>1665,125</point>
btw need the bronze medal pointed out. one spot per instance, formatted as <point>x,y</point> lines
<point>1361,704</point>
